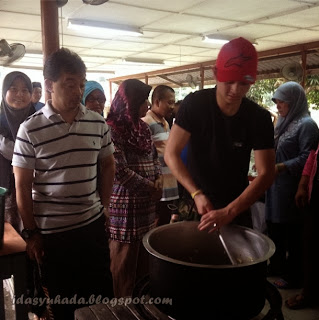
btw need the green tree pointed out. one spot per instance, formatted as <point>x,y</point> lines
<point>312,91</point>
<point>262,91</point>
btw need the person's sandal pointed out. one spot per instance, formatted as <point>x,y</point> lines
<point>297,302</point>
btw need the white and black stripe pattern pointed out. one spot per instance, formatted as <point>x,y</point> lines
<point>64,158</point>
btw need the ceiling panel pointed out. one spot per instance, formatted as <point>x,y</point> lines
<point>187,25</point>
<point>244,10</point>
<point>172,30</point>
<point>310,18</point>
<point>177,50</point>
<point>292,37</point>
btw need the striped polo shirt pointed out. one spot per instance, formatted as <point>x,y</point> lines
<point>160,133</point>
<point>64,158</point>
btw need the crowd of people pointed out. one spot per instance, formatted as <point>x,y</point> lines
<point>84,189</point>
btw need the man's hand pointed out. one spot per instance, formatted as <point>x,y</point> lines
<point>35,247</point>
<point>215,219</point>
<point>203,204</point>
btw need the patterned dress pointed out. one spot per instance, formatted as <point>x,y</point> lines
<point>132,212</point>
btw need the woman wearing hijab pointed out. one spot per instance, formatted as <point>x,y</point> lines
<point>94,97</point>
<point>137,185</point>
<point>296,134</point>
<point>15,107</point>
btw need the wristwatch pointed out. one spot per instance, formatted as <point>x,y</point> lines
<point>28,233</point>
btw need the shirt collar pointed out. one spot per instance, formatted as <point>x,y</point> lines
<point>48,111</point>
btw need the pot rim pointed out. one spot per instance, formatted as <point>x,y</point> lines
<point>158,255</point>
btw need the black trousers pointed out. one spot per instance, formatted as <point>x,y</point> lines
<point>76,265</point>
<point>287,261</point>
<point>311,242</point>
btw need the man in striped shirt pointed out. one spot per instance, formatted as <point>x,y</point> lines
<point>64,170</point>
<point>163,102</point>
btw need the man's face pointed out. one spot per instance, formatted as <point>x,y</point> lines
<point>36,95</point>
<point>67,91</point>
<point>232,92</point>
<point>166,104</point>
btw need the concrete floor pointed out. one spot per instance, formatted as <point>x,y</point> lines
<point>304,314</point>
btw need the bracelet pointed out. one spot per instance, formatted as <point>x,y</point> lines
<point>195,193</point>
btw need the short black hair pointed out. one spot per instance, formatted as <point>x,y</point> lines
<point>159,92</point>
<point>36,85</point>
<point>63,60</point>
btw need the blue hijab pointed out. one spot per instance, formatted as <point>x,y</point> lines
<point>89,87</point>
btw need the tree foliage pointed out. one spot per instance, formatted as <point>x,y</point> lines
<point>262,91</point>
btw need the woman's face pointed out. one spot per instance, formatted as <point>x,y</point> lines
<point>283,107</point>
<point>95,101</point>
<point>143,108</point>
<point>18,96</point>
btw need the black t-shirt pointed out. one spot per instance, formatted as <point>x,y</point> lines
<point>220,146</point>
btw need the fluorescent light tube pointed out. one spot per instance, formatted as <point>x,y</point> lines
<point>103,28</point>
<point>143,61</point>
<point>214,39</point>
<point>220,39</point>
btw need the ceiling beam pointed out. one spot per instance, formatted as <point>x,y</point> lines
<point>263,55</point>
<point>170,80</point>
<point>289,49</point>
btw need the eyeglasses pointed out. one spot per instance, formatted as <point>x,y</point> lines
<point>99,100</point>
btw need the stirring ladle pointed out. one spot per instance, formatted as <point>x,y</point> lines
<point>233,262</point>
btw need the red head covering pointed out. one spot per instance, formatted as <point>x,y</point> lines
<point>124,119</point>
<point>237,61</point>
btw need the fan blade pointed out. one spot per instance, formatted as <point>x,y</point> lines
<point>292,71</point>
<point>5,49</point>
<point>94,2</point>
<point>17,51</point>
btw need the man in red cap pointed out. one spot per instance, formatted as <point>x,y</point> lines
<point>221,127</point>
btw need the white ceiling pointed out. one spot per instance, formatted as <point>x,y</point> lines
<point>172,30</point>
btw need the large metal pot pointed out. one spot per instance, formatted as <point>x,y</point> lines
<point>193,268</point>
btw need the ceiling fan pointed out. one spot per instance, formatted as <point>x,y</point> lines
<point>10,52</point>
<point>94,2</point>
<point>292,71</point>
<point>191,81</point>
<point>61,3</point>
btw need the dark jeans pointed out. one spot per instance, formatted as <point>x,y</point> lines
<point>76,264</point>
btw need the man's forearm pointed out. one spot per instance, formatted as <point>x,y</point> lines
<point>23,181</point>
<point>25,208</point>
<point>107,172</point>
<point>180,172</point>
<point>251,194</point>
